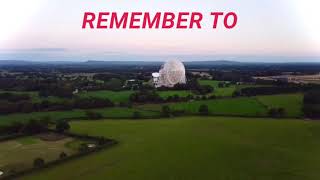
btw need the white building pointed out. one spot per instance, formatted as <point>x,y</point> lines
<point>171,73</point>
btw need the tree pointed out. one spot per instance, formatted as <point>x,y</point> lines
<point>276,112</point>
<point>311,104</point>
<point>166,112</point>
<point>221,84</point>
<point>38,163</point>
<point>281,112</point>
<point>62,126</point>
<point>136,115</point>
<point>93,115</point>
<point>62,155</point>
<point>35,126</point>
<point>204,110</point>
<point>83,148</point>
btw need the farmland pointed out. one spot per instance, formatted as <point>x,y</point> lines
<point>18,154</point>
<point>198,148</point>
<point>292,103</point>
<point>219,124</point>
<point>219,91</point>
<point>243,106</point>
<point>115,96</point>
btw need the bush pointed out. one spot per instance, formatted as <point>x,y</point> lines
<point>35,126</point>
<point>166,112</point>
<point>204,110</point>
<point>276,112</point>
<point>38,163</point>
<point>93,115</point>
<point>136,115</point>
<point>145,96</point>
<point>83,148</point>
<point>63,155</point>
<point>62,126</point>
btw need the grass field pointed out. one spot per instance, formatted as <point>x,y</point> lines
<point>165,94</point>
<point>189,148</point>
<point>115,96</point>
<point>224,91</point>
<point>292,103</point>
<point>243,106</point>
<point>235,106</point>
<point>20,153</point>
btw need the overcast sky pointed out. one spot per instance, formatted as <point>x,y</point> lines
<point>267,30</point>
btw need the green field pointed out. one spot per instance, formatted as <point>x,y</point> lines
<point>243,106</point>
<point>115,96</point>
<point>292,103</point>
<point>224,91</point>
<point>20,153</point>
<point>231,106</point>
<point>166,94</point>
<point>221,148</point>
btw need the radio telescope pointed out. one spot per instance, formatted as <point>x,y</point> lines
<point>170,74</point>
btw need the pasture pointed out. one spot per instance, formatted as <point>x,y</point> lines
<point>19,154</point>
<point>219,91</point>
<point>231,106</point>
<point>292,103</point>
<point>197,148</point>
<point>182,93</point>
<point>114,96</point>
<point>242,106</point>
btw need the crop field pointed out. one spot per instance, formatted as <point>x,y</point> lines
<point>115,96</point>
<point>191,148</point>
<point>19,154</point>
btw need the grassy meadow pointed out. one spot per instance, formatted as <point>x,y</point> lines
<point>292,103</point>
<point>115,96</point>
<point>220,92</point>
<point>242,106</point>
<point>19,154</point>
<point>223,148</point>
<point>182,93</point>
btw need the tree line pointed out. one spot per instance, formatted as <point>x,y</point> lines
<point>311,104</point>
<point>7,107</point>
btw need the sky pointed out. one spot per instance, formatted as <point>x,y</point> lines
<point>267,31</point>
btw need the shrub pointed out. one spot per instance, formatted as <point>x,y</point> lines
<point>38,163</point>
<point>83,148</point>
<point>93,115</point>
<point>136,115</point>
<point>62,155</point>
<point>166,112</point>
<point>203,109</point>
<point>62,126</point>
<point>276,112</point>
